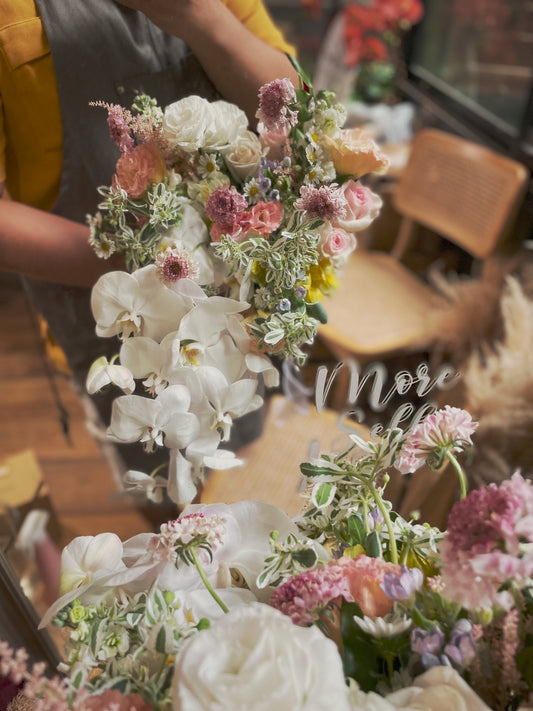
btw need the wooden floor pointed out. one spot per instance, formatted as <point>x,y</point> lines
<point>82,487</point>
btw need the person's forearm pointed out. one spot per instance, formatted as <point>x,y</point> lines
<point>237,62</point>
<point>44,246</point>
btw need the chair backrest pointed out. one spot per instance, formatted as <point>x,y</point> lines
<point>461,190</point>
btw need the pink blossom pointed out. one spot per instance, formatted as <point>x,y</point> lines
<point>365,576</point>
<point>174,264</point>
<point>324,203</point>
<point>362,206</point>
<point>264,218</point>
<point>119,122</point>
<point>138,168</point>
<point>276,141</point>
<point>274,100</point>
<point>336,244</point>
<point>224,206</point>
<point>447,429</point>
<point>303,597</point>
<point>483,546</point>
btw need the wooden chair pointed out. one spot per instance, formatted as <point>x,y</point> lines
<point>463,191</point>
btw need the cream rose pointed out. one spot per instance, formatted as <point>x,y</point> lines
<point>243,156</point>
<point>227,123</point>
<point>255,659</point>
<point>186,122</point>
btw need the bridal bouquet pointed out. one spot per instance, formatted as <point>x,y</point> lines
<point>231,239</point>
<point>347,607</point>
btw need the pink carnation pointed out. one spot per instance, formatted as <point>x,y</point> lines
<point>304,597</point>
<point>264,218</point>
<point>138,168</point>
<point>274,100</point>
<point>364,576</point>
<point>447,429</point>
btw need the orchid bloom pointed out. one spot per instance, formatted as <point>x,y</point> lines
<point>136,304</point>
<point>102,373</point>
<point>164,420</point>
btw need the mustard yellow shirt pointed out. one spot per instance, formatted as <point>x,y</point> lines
<point>30,117</point>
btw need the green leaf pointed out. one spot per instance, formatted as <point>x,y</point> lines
<point>306,558</point>
<point>161,640</point>
<point>524,661</point>
<point>312,470</point>
<point>360,658</point>
<point>317,311</point>
<point>322,494</point>
<point>372,545</point>
<point>356,530</point>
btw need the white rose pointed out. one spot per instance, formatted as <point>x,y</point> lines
<point>439,689</point>
<point>243,156</point>
<point>186,122</point>
<point>227,123</point>
<point>255,659</point>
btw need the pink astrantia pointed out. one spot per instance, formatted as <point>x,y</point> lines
<point>449,429</point>
<point>304,597</point>
<point>274,100</point>
<point>324,203</point>
<point>174,264</point>
<point>487,543</point>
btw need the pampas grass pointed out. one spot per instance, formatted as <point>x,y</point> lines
<point>498,383</point>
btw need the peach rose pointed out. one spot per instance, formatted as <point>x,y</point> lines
<point>364,576</point>
<point>336,244</point>
<point>275,141</point>
<point>138,169</point>
<point>362,207</point>
<point>356,153</point>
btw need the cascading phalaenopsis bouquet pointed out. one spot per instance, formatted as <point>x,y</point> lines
<point>231,238</point>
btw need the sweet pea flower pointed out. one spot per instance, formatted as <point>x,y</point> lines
<point>403,586</point>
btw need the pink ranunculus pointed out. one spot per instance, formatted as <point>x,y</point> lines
<point>336,244</point>
<point>362,207</point>
<point>139,168</point>
<point>365,575</point>
<point>117,701</point>
<point>265,217</point>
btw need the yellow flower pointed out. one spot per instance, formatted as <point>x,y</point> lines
<point>320,280</point>
<point>354,551</point>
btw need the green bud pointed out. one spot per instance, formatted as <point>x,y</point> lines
<point>76,614</point>
<point>203,624</point>
<point>168,596</point>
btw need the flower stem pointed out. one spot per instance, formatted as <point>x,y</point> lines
<point>460,473</point>
<point>383,510</point>
<point>206,582</point>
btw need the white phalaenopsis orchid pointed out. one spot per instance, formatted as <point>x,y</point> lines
<point>137,304</point>
<point>157,362</point>
<point>165,420</point>
<point>102,373</point>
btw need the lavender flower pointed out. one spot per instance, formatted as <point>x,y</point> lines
<point>424,642</point>
<point>461,648</point>
<point>401,588</point>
